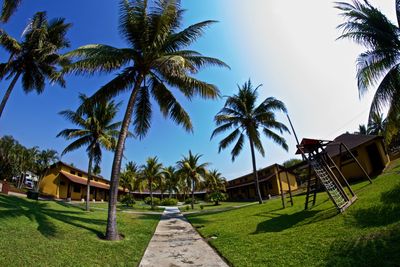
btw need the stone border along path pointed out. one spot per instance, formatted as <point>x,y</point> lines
<point>176,243</point>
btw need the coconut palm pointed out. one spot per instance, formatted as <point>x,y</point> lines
<point>362,129</point>
<point>130,177</point>
<point>376,124</point>
<point>44,159</point>
<point>36,58</point>
<point>171,178</point>
<point>152,173</point>
<point>96,130</point>
<point>194,171</point>
<point>379,65</point>
<point>8,8</point>
<point>156,64</point>
<point>215,185</point>
<point>241,115</point>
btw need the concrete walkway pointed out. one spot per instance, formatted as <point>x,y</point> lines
<point>175,243</point>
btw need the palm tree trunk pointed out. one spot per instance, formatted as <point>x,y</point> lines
<point>255,173</point>
<point>88,182</point>
<point>8,92</point>
<point>192,194</point>
<point>112,230</point>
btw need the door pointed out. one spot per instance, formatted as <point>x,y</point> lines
<point>375,158</point>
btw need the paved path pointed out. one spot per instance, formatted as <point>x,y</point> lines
<point>175,243</point>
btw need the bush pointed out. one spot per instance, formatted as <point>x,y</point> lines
<point>128,200</point>
<point>187,208</point>
<point>169,202</point>
<point>189,201</point>
<point>156,201</point>
<point>217,197</point>
<point>201,207</point>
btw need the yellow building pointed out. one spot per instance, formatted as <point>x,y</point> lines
<point>271,180</point>
<point>64,181</point>
<point>369,150</point>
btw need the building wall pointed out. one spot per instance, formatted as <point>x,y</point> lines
<point>292,181</point>
<point>350,168</point>
<point>49,184</point>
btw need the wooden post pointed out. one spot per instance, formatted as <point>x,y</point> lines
<point>280,185</point>
<point>290,188</point>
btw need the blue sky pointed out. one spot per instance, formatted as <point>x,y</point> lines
<point>288,46</point>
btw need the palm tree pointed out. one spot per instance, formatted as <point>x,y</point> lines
<point>130,177</point>
<point>35,58</point>
<point>362,129</point>
<point>157,61</point>
<point>152,172</point>
<point>171,177</point>
<point>241,115</point>
<point>215,184</point>
<point>96,131</point>
<point>380,63</point>
<point>9,7</point>
<point>193,170</point>
<point>44,159</point>
<point>376,124</point>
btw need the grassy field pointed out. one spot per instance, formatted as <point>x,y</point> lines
<point>208,206</point>
<point>47,233</point>
<point>367,234</point>
<point>139,206</point>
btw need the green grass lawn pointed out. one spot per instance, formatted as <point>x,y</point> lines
<point>139,206</point>
<point>210,206</point>
<point>366,234</point>
<point>48,233</point>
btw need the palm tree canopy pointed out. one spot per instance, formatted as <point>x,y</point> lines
<point>152,170</point>
<point>215,181</point>
<point>241,114</point>
<point>96,128</point>
<point>376,124</point>
<point>8,8</point>
<point>130,177</point>
<point>36,57</point>
<point>157,59</point>
<point>380,63</point>
<point>192,168</point>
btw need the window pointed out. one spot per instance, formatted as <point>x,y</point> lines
<point>62,183</point>
<point>72,172</point>
<point>77,188</point>
<point>79,174</point>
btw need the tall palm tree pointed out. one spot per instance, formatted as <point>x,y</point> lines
<point>379,65</point>
<point>193,170</point>
<point>241,115</point>
<point>96,131</point>
<point>362,129</point>
<point>130,177</point>
<point>36,58</point>
<point>152,173</point>
<point>8,8</point>
<point>171,177</point>
<point>156,64</point>
<point>377,124</point>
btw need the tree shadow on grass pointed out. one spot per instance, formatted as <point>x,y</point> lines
<point>380,248</point>
<point>383,213</point>
<point>41,213</point>
<point>281,222</point>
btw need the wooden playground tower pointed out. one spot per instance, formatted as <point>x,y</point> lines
<point>327,173</point>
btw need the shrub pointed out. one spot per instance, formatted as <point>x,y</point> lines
<point>187,208</point>
<point>128,200</point>
<point>201,207</point>
<point>216,197</point>
<point>169,202</point>
<point>156,201</point>
<point>189,201</point>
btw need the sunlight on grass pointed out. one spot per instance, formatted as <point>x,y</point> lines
<point>368,233</point>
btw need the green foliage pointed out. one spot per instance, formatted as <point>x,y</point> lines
<point>189,201</point>
<point>217,197</point>
<point>128,200</point>
<point>291,162</point>
<point>187,208</point>
<point>201,207</point>
<point>156,201</point>
<point>169,202</point>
